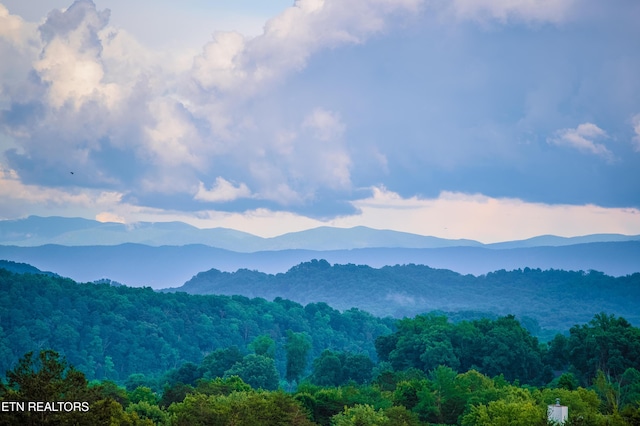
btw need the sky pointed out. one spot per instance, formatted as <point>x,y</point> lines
<point>492,120</point>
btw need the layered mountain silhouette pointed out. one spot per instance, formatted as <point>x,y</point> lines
<point>36,231</point>
<point>163,255</point>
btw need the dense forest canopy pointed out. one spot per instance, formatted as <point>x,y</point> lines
<point>176,358</point>
<point>112,332</point>
<point>409,397</point>
<point>557,299</point>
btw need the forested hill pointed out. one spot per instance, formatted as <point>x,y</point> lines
<point>112,332</point>
<point>22,268</point>
<point>557,299</point>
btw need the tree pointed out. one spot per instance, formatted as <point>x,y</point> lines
<point>422,342</point>
<point>504,413</point>
<point>263,345</point>
<point>143,393</point>
<point>609,392</point>
<point>109,389</point>
<point>607,343</point>
<point>448,397</point>
<point>258,371</point>
<point>337,368</point>
<point>406,392</point>
<point>146,410</point>
<point>400,416</point>
<point>630,387</point>
<point>136,380</point>
<point>558,354</point>
<point>222,386</point>
<point>175,393</point>
<point>509,349</point>
<point>241,409</point>
<point>47,378</point>
<point>360,415</point>
<point>219,361</point>
<point>327,369</point>
<point>327,403</point>
<point>297,348</point>
<point>188,373</point>
<point>495,347</point>
<point>357,367</point>
<point>568,381</point>
<point>385,344</point>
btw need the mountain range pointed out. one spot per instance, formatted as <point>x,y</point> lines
<point>36,231</point>
<point>161,255</point>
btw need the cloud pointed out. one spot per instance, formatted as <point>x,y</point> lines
<point>326,126</point>
<point>14,30</point>
<point>99,97</point>
<point>222,191</point>
<point>319,157</point>
<point>554,11</point>
<point>18,198</point>
<point>486,219</point>
<point>109,217</point>
<point>330,98</point>
<point>328,159</point>
<point>218,66</point>
<point>583,139</point>
<point>231,62</point>
<point>635,122</point>
<point>449,215</point>
<point>70,61</point>
<point>172,138</point>
<point>97,103</point>
<point>81,16</point>
<point>19,45</point>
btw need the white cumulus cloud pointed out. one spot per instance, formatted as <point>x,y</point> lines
<point>15,30</point>
<point>172,139</point>
<point>70,61</point>
<point>583,138</point>
<point>222,191</point>
<point>232,62</point>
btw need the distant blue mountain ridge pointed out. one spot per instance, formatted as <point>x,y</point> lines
<point>162,255</point>
<point>37,231</point>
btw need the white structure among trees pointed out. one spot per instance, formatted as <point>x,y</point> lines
<point>558,413</point>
